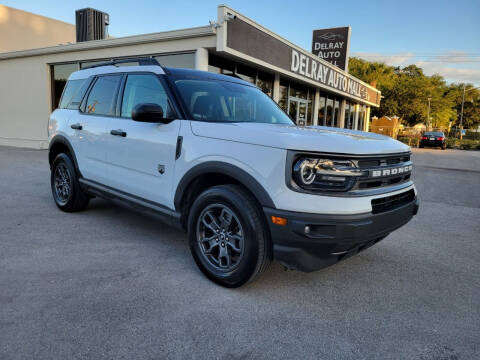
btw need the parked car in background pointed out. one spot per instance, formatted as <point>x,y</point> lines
<point>434,139</point>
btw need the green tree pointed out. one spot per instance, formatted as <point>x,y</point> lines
<point>405,93</point>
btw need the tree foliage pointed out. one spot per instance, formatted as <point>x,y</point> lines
<point>405,93</point>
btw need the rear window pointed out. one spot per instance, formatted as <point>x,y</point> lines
<point>71,89</point>
<point>433,133</point>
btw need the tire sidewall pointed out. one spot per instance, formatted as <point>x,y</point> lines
<point>252,236</point>
<point>64,159</point>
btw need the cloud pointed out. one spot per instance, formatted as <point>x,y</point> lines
<point>454,66</point>
<point>393,60</point>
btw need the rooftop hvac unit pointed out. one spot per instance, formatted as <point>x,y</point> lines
<point>91,24</point>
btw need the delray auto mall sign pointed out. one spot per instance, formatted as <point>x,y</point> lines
<point>253,43</point>
<point>332,45</point>
<point>321,73</point>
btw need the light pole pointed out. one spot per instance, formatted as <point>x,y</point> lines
<point>428,115</point>
<point>461,112</point>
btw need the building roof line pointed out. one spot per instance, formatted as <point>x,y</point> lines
<point>106,43</point>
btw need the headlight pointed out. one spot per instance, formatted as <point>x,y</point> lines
<point>318,174</point>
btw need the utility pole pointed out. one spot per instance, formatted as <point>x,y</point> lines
<point>428,115</point>
<point>461,113</point>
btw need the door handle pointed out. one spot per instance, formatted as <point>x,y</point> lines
<point>118,133</point>
<point>76,126</point>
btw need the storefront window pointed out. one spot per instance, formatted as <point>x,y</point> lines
<point>361,117</point>
<point>336,113</point>
<point>220,65</point>
<point>310,108</point>
<point>246,73</point>
<point>347,115</point>
<point>265,82</point>
<point>283,96</point>
<point>60,74</point>
<point>321,111</point>
<point>298,91</point>
<point>329,112</point>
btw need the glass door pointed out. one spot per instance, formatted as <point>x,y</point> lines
<point>297,109</point>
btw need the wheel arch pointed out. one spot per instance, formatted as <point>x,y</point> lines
<point>212,173</point>
<point>60,144</point>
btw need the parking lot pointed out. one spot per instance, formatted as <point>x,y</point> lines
<point>111,283</point>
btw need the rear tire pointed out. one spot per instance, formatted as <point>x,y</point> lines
<point>228,236</point>
<point>66,190</point>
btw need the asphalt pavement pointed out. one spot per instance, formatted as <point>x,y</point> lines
<point>110,283</point>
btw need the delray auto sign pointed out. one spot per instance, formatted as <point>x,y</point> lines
<point>326,75</point>
<point>332,45</point>
<point>252,43</point>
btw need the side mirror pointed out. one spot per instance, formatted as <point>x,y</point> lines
<point>148,112</point>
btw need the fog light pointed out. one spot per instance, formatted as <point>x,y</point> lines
<point>307,229</point>
<point>279,220</point>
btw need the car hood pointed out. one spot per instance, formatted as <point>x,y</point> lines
<point>308,138</point>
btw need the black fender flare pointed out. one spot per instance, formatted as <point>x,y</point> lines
<point>223,168</point>
<point>60,139</point>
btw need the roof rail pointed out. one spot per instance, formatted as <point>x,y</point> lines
<point>142,61</point>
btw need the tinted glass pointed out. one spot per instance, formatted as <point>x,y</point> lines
<point>329,112</point>
<point>101,99</point>
<point>321,111</point>
<point>144,89</point>
<point>282,102</point>
<point>336,112</point>
<point>434,133</point>
<point>60,74</point>
<point>223,101</point>
<point>72,88</point>
<point>265,83</point>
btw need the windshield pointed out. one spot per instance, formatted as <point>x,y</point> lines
<point>223,101</point>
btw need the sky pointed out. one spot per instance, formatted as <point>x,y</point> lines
<point>440,36</point>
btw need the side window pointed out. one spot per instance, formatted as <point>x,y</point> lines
<point>101,99</point>
<point>71,89</point>
<point>144,88</point>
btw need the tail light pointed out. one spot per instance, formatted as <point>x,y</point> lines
<point>424,138</point>
<point>440,138</point>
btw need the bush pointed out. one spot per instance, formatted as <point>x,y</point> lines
<point>452,143</point>
<point>464,144</point>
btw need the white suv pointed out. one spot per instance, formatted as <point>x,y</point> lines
<point>213,155</point>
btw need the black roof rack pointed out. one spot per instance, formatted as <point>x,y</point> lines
<point>142,61</point>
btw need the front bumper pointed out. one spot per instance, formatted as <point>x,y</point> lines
<point>331,238</point>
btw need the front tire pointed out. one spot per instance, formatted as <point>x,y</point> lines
<point>228,237</point>
<point>66,190</point>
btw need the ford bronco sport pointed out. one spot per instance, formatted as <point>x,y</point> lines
<point>213,155</point>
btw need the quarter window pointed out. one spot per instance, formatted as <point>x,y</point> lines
<point>144,89</point>
<point>101,100</point>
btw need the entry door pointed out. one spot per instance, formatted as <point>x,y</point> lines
<point>297,109</point>
<point>141,156</point>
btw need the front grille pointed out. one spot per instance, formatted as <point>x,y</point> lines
<point>392,202</point>
<point>390,160</point>
<point>380,163</point>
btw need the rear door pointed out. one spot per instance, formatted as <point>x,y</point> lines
<point>141,156</point>
<point>91,124</point>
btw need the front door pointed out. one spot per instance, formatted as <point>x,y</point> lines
<point>140,155</point>
<point>297,109</point>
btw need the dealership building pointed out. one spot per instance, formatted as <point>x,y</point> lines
<point>311,90</point>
